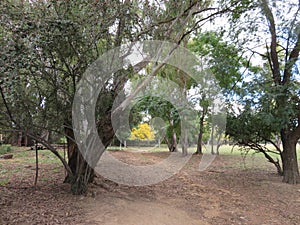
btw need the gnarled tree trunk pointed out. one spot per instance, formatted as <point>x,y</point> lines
<point>83,173</point>
<point>289,159</point>
<point>81,170</point>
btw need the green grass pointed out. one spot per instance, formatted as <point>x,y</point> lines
<point>224,150</point>
<point>23,157</point>
<point>23,164</point>
<point>28,156</point>
<point>229,150</point>
<point>250,161</point>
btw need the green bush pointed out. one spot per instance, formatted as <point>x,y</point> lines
<point>63,140</point>
<point>5,149</point>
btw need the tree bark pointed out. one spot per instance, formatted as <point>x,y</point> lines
<point>83,174</point>
<point>219,143</point>
<point>289,159</point>
<point>199,143</point>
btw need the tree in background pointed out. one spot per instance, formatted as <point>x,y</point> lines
<point>221,69</point>
<point>159,108</point>
<point>142,132</point>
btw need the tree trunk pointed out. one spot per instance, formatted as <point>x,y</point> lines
<point>201,131</point>
<point>289,159</point>
<point>278,141</point>
<point>212,140</point>
<point>174,142</point>
<point>184,142</point>
<point>219,143</point>
<point>82,172</point>
<point>199,143</point>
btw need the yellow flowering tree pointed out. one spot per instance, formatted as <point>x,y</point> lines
<point>142,132</point>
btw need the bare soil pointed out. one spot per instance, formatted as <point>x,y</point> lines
<point>230,191</point>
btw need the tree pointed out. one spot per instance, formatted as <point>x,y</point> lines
<point>52,52</point>
<point>142,132</point>
<point>48,45</point>
<point>252,130</point>
<point>160,108</point>
<point>44,56</point>
<point>275,95</point>
<point>219,73</point>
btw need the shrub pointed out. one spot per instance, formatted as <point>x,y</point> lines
<point>5,149</point>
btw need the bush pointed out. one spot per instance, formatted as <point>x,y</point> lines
<point>5,149</point>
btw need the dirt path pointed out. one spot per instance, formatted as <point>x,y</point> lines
<point>226,193</point>
<point>129,212</point>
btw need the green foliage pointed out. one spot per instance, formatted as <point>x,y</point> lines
<point>157,107</point>
<point>248,127</point>
<point>269,98</point>
<point>238,8</point>
<point>63,140</point>
<point>5,149</point>
<point>224,60</point>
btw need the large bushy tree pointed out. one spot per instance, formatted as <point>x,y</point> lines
<point>48,45</point>
<point>269,31</point>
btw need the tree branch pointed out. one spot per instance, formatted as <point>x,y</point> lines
<point>291,61</point>
<point>272,28</point>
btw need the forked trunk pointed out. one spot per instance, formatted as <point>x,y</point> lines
<point>219,143</point>
<point>174,147</point>
<point>172,143</point>
<point>289,160</point>
<point>83,174</point>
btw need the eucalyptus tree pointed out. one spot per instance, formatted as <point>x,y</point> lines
<point>222,66</point>
<point>269,31</point>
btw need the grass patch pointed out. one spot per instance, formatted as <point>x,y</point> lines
<point>22,165</point>
<point>28,156</point>
<point>230,150</point>
<point>224,150</point>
